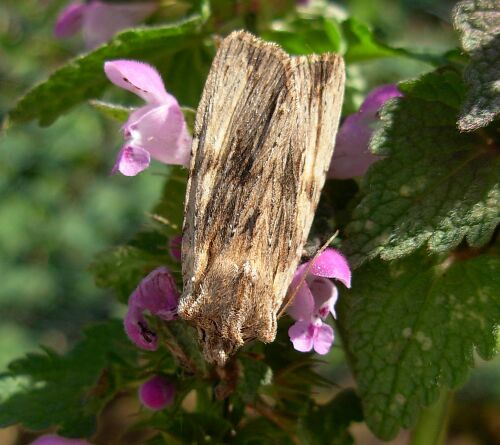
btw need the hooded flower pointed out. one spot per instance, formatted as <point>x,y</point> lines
<point>53,439</point>
<point>157,294</point>
<point>315,299</point>
<point>100,21</point>
<point>175,247</point>
<point>352,156</point>
<point>157,393</point>
<point>156,130</point>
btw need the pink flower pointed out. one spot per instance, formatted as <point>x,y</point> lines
<point>157,393</point>
<point>315,299</point>
<point>157,294</point>
<point>175,247</point>
<point>100,20</point>
<point>352,156</point>
<point>156,130</point>
<point>53,439</point>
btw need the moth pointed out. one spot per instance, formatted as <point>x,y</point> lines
<point>263,140</point>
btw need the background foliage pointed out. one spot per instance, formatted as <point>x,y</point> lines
<point>409,326</point>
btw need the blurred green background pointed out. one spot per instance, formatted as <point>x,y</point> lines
<point>59,205</point>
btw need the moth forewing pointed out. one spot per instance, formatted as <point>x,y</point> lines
<point>263,140</point>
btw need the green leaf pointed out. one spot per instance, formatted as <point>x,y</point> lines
<point>122,268</point>
<point>408,340</point>
<point>83,78</point>
<point>185,338</point>
<point>328,424</point>
<point>362,45</point>
<point>255,373</point>
<point>436,185</point>
<point>259,431</point>
<point>308,36</point>
<point>477,23</point>
<point>116,112</point>
<point>199,428</point>
<point>170,210</point>
<point>67,391</point>
<point>190,117</point>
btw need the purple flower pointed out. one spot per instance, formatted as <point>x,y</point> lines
<point>175,247</point>
<point>352,156</point>
<point>156,130</point>
<point>157,393</point>
<point>53,439</point>
<point>315,299</point>
<point>157,294</point>
<point>100,20</point>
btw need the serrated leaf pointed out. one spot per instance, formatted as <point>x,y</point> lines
<point>83,78</point>
<point>436,187</point>
<point>478,22</point>
<point>411,339</point>
<point>64,391</point>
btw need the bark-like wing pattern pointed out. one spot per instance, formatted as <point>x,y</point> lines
<point>263,140</point>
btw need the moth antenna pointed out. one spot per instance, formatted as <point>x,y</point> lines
<point>289,299</point>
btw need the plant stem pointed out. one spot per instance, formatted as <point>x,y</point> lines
<point>433,422</point>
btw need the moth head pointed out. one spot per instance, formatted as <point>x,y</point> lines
<point>216,348</point>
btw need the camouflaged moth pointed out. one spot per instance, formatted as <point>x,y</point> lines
<point>263,139</point>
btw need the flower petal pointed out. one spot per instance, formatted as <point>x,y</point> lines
<point>378,97</point>
<point>325,295</point>
<point>302,306</point>
<point>103,20</point>
<point>352,157</point>
<point>53,439</point>
<point>138,330</point>
<point>158,294</point>
<point>131,161</point>
<point>323,339</point>
<point>301,334</point>
<point>134,117</point>
<point>157,393</point>
<point>332,264</point>
<point>139,78</point>
<point>175,247</point>
<point>70,20</point>
<point>163,133</point>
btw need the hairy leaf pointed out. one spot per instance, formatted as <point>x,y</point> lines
<point>83,78</point>
<point>478,22</point>
<point>67,391</point>
<point>418,335</point>
<point>436,185</point>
